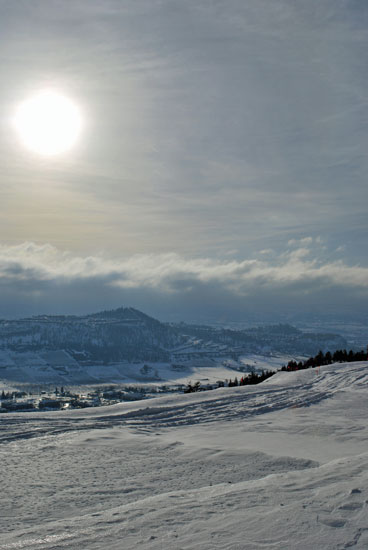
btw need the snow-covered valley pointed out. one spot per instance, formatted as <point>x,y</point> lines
<point>280,465</point>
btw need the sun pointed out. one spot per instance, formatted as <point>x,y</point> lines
<point>48,123</point>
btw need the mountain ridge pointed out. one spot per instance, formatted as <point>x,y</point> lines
<point>126,333</point>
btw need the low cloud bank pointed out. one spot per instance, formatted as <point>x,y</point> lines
<point>299,277</point>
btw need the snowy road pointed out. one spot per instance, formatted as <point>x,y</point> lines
<point>281,465</point>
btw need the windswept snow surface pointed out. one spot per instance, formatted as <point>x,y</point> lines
<point>59,368</point>
<point>282,465</point>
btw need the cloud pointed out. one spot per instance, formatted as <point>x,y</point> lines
<point>30,261</point>
<point>303,242</point>
<point>211,126</point>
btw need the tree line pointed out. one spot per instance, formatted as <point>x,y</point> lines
<point>339,356</point>
<point>250,379</point>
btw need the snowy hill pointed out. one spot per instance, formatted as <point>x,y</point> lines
<point>104,337</point>
<point>113,346</point>
<point>281,465</point>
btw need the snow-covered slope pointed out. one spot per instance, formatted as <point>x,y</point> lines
<point>112,347</point>
<point>281,465</point>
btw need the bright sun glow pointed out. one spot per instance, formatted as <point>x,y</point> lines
<point>48,123</point>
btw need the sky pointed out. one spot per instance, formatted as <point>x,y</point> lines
<point>221,168</point>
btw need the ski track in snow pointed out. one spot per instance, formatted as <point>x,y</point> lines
<point>281,465</point>
<point>212,406</point>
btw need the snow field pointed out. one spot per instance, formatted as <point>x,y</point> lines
<point>281,465</point>
<point>61,369</point>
